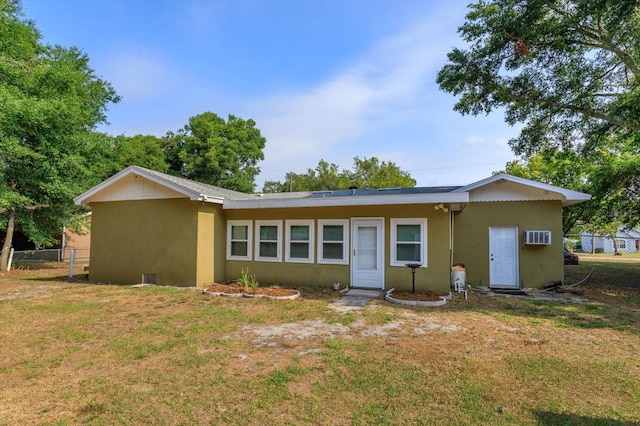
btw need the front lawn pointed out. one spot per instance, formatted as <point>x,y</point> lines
<point>74,352</point>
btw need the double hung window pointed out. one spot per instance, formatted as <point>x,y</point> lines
<point>333,241</point>
<point>408,241</point>
<point>300,239</point>
<point>268,240</point>
<point>239,240</point>
<point>622,244</point>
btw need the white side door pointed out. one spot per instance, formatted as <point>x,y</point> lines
<point>503,256</point>
<point>367,260</point>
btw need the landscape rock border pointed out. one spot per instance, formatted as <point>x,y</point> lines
<point>389,298</point>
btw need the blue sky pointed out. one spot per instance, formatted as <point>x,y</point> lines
<point>322,79</point>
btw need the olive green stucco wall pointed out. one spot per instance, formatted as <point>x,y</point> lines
<point>211,245</point>
<point>220,244</point>
<point>175,239</point>
<point>183,243</point>
<point>538,265</point>
<point>434,277</point>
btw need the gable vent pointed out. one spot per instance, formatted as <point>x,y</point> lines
<point>537,237</point>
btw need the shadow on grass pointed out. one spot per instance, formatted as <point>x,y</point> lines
<point>548,418</point>
<point>76,279</point>
<point>611,301</point>
<point>322,293</point>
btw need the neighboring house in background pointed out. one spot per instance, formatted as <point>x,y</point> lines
<point>68,240</point>
<point>153,227</point>
<point>626,241</point>
<point>80,242</point>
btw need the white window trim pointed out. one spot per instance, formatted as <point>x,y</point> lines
<point>622,243</point>
<point>345,241</point>
<point>248,224</point>
<point>288,241</point>
<point>394,239</point>
<point>278,224</point>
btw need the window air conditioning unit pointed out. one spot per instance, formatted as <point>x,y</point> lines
<point>537,237</point>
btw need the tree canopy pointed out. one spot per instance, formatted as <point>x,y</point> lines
<point>106,155</point>
<point>48,96</point>
<point>567,70</point>
<point>565,169</point>
<point>50,104</point>
<point>365,173</point>
<point>218,152</point>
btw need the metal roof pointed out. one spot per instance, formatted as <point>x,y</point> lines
<point>458,195</point>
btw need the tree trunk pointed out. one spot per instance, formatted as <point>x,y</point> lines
<point>8,240</point>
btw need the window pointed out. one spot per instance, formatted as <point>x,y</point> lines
<point>239,240</point>
<point>333,243</point>
<point>299,237</point>
<point>622,244</point>
<point>268,240</point>
<point>408,241</point>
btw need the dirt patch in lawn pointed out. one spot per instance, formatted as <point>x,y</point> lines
<point>19,284</point>
<point>283,335</point>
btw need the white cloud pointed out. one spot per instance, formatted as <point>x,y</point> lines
<point>384,87</point>
<point>474,140</point>
<point>201,17</point>
<point>502,141</point>
<point>485,140</point>
<point>137,75</point>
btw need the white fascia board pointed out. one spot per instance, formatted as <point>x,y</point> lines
<point>86,197</point>
<point>82,198</point>
<point>210,199</point>
<point>570,196</point>
<point>353,200</point>
<point>633,233</point>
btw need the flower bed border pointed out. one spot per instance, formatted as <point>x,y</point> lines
<point>293,296</point>
<point>442,301</point>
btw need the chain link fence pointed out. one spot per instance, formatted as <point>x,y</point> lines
<point>48,258</point>
<point>604,247</point>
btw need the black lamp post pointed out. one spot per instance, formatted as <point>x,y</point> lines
<point>413,267</point>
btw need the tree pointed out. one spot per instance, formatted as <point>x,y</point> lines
<point>366,173</point>
<point>567,69</point>
<point>565,169</point>
<point>611,179</point>
<point>106,155</point>
<point>325,176</point>
<point>48,96</point>
<point>371,173</point>
<point>216,152</point>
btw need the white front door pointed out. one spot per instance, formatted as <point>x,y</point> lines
<point>367,261</point>
<point>503,256</point>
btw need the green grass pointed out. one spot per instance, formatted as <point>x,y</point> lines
<point>118,355</point>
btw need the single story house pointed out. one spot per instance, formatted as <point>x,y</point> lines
<point>153,227</point>
<point>625,241</point>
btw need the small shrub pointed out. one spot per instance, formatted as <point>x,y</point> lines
<point>248,280</point>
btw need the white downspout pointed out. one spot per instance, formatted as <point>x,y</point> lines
<point>451,236</point>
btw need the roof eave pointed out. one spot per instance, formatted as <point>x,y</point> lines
<point>85,198</point>
<point>570,201</point>
<point>211,199</point>
<point>371,200</point>
<point>568,196</point>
